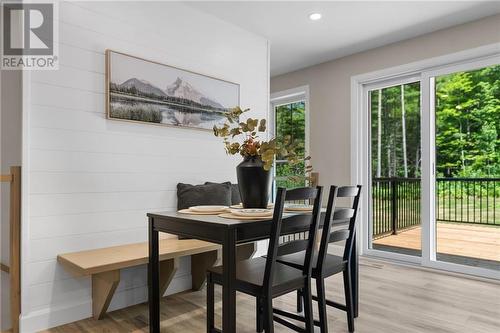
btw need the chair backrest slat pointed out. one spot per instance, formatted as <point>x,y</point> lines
<point>334,214</point>
<point>302,194</point>
<point>293,246</point>
<point>343,214</point>
<point>347,191</point>
<point>339,235</point>
<point>295,223</point>
<point>291,225</point>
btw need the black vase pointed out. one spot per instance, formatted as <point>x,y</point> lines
<point>253,182</point>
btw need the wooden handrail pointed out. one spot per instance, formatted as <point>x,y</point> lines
<point>15,245</point>
<point>5,178</point>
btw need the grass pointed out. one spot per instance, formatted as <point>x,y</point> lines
<point>469,209</point>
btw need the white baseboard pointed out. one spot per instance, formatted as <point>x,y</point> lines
<point>51,317</point>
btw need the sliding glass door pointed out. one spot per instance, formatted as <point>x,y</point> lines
<point>395,153</point>
<point>466,109</point>
<point>431,158</point>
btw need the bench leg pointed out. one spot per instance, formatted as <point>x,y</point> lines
<point>245,251</point>
<point>103,287</point>
<point>167,272</point>
<point>199,264</point>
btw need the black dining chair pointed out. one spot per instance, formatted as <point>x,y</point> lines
<point>325,264</point>
<point>265,278</point>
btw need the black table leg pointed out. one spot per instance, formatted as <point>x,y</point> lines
<point>154,282</point>
<point>355,277</point>
<point>228,282</point>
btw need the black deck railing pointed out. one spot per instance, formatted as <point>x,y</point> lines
<point>468,200</point>
<point>397,203</point>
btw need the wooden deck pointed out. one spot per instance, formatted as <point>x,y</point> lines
<point>462,240</point>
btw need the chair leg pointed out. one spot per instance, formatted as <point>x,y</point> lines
<point>308,312</point>
<point>348,299</point>
<point>210,304</point>
<point>300,307</point>
<point>268,314</point>
<point>259,312</point>
<point>323,320</point>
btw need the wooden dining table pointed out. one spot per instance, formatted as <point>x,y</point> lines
<point>223,231</point>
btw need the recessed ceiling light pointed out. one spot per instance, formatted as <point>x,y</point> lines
<point>315,16</point>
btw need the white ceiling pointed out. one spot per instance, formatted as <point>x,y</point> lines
<point>346,27</point>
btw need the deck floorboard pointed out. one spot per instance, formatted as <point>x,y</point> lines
<point>453,239</point>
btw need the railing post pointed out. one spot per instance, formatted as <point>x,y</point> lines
<point>394,207</point>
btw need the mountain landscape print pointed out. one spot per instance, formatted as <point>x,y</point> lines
<point>146,91</point>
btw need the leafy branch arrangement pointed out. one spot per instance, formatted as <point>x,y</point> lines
<point>252,145</point>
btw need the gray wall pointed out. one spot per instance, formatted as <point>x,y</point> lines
<point>329,85</point>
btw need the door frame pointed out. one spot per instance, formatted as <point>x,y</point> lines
<point>360,148</point>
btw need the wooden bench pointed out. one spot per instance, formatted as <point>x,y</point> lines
<point>104,265</point>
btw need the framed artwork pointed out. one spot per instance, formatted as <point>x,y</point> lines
<point>140,90</point>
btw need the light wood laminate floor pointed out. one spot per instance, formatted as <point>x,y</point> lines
<point>394,298</point>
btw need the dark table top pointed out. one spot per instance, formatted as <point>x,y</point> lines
<point>213,220</point>
<point>221,222</point>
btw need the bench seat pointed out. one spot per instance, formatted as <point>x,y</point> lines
<point>104,265</point>
<point>129,255</point>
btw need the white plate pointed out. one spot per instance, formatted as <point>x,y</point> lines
<point>240,206</point>
<point>252,212</point>
<point>192,212</point>
<point>236,217</point>
<point>298,208</point>
<point>208,208</point>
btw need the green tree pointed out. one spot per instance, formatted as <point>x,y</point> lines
<point>290,121</point>
<point>392,157</point>
<point>468,123</point>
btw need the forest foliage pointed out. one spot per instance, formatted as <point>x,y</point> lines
<point>468,123</point>
<point>290,121</point>
<point>467,126</point>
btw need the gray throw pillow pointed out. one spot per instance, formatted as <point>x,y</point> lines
<point>235,192</point>
<point>208,194</point>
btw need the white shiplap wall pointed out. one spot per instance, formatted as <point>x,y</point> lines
<point>89,180</point>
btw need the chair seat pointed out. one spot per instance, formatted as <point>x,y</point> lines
<point>250,277</point>
<point>332,265</point>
